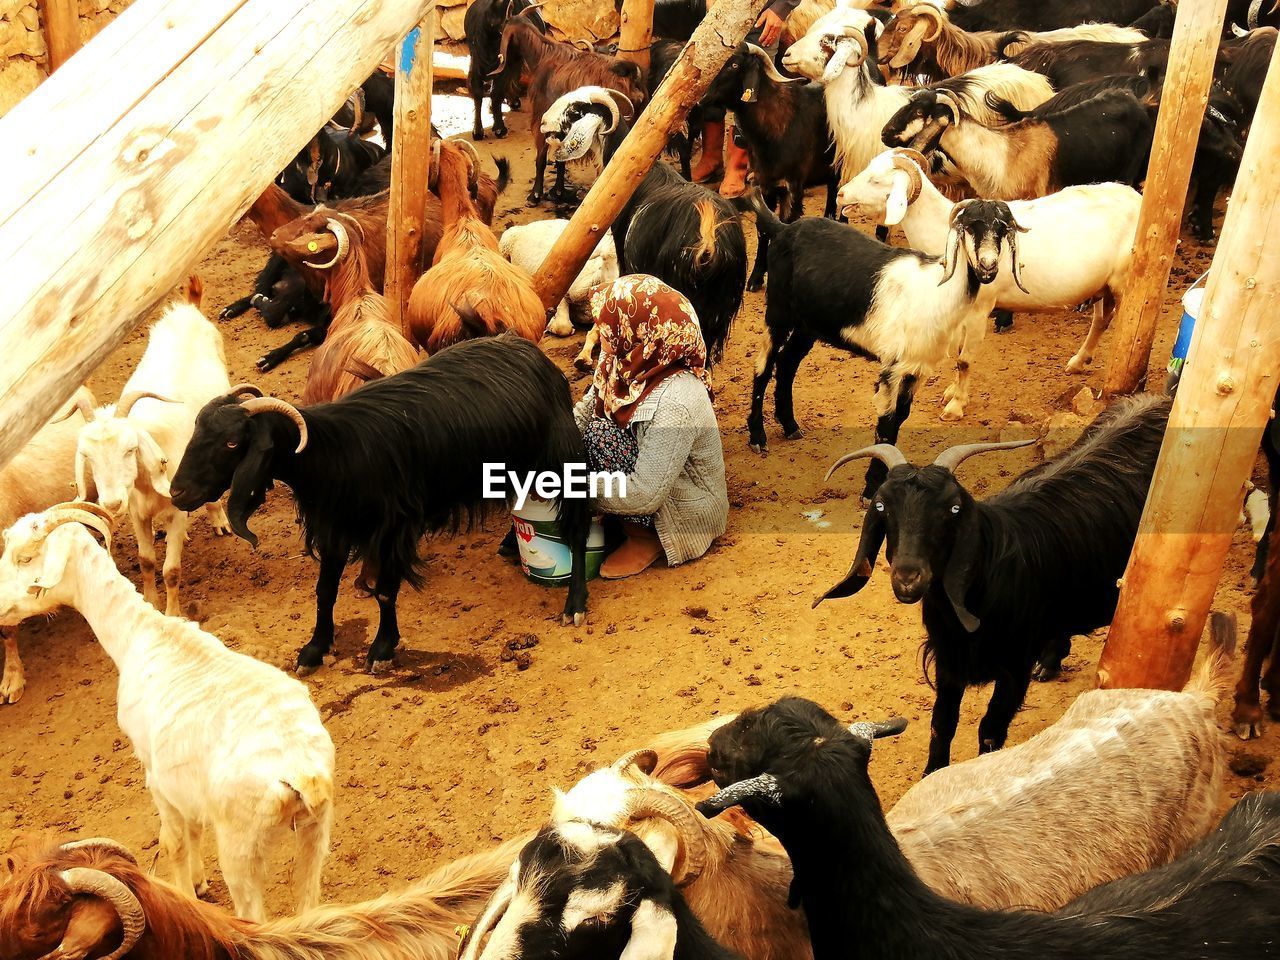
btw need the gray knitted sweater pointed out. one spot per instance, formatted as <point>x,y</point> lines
<point>679,475</point>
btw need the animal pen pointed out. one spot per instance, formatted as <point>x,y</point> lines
<point>143,163</point>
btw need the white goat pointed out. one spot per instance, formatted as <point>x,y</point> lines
<point>1078,244</point>
<point>527,246</point>
<point>130,446</point>
<point>225,740</point>
<point>41,474</point>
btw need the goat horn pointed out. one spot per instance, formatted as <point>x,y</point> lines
<point>645,760</point>
<point>929,12</point>
<point>765,787</point>
<point>493,911</point>
<point>78,402</point>
<point>241,389</point>
<point>615,113</point>
<point>99,843</point>
<point>876,731</point>
<point>945,98</point>
<point>106,887</point>
<point>651,802</point>
<point>770,69</point>
<point>339,230</point>
<point>89,506</point>
<point>57,516</point>
<point>127,401</point>
<point>433,168</point>
<point>859,41</point>
<point>957,209</point>
<point>257,405</point>
<point>1016,229</point>
<point>952,457</point>
<point>886,453</point>
<point>913,164</point>
<point>952,257</point>
<point>474,176</point>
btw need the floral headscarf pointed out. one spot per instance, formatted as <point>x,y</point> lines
<point>648,332</point>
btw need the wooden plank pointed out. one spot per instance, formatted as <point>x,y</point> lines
<point>636,32</point>
<point>719,34</point>
<point>1223,404</point>
<point>410,159</point>
<point>133,203</point>
<point>61,30</point>
<point>1196,33</point>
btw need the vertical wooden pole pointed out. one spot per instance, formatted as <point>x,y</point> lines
<point>1186,91</point>
<point>410,158</point>
<point>1223,404</point>
<point>61,30</point>
<point>636,32</point>
<point>723,28</point>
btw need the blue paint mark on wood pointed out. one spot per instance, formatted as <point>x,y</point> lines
<point>408,49</point>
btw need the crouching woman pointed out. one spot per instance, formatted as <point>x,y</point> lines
<point>648,415</point>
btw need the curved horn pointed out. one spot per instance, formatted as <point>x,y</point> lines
<point>244,389</point>
<point>469,949</point>
<point>615,113</point>
<point>339,230</point>
<point>859,41</point>
<point>78,402</point>
<point>106,887</point>
<point>952,457</point>
<point>945,98</point>
<point>57,516</point>
<point>433,167</point>
<point>876,731</point>
<point>770,69</point>
<point>886,453</point>
<point>99,843</point>
<point>929,12</point>
<point>474,176</point>
<point>357,110</point>
<point>258,405</point>
<point>764,788</point>
<point>89,506</point>
<point>125,404</point>
<point>655,803</point>
<point>507,31</point>
<point>913,164</point>
<point>1014,230</point>
<point>645,760</point>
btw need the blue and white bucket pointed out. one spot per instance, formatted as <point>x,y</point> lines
<point>545,557</point>
<point>1192,302</point>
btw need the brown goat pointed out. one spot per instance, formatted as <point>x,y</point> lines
<point>471,290</point>
<point>361,336</point>
<point>1263,642</point>
<point>556,69</point>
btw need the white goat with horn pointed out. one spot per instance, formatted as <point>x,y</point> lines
<point>1078,244</point>
<point>127,449</point>
<point>226,740</point>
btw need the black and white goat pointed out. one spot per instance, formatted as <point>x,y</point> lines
<point>366,470</point>
<point>803,776</point>
<point>680,232</point>
<point>1038,15</point>
<point>482,24</point>
<point>829,282</point>
<point>586,891</point>
<point>1006,582</point>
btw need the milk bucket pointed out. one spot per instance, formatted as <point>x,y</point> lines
<point>544,555</point>
<point>1192,301</point>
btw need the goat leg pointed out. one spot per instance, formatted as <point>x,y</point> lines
<point>14,681</point>
<point>887,427</point>
<point>942,726</point>
<point>1246,718</point>
<point>766,357</point>
<point>790,356</point>
<point>333,560</point>
<point>1003,319</point>
<point>558,192</point>
<point>476,84</point>
<point>383,649</point>
<point>575,521</point>
<point>1049,665</point>
<point>310,337</point>
<point>539,169</point>
<point>1006,700</point>
<point>496,96</point>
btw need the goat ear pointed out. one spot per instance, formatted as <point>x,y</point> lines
<point>653,933</point>
<point>82,479</point>
<point>961,569</point>
<point>868,549</point>
<point>53,561</point>
<point>92,922</point>
<point>152,460</point>
<point>250,483</point>
<point>895,205</point>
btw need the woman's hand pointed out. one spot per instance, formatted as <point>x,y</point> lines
<point>770,25</point>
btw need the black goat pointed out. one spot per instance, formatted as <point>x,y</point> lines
<point>803,776</point>
<point>482,24</point>
<point>679,232</point>
<point>328,166</point>
<point>674,19</point>
<point>1244,75</point>
<point>1075,61</point>
<point>1011,579</point>
<point>1039,15</point>
<point>663,54</point>
<point>373,472</point>
<point>785,129</point>
<point>593,893</point>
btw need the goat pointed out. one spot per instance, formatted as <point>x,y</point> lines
<point>922,42</point>
<point>226,741</point>
<point>682,233</point>
<point>968,93</point>
<point>527,245</point>
<point>1079,60</point>
<point>470,289</point>
<point>663,54</point>
<point>557,69</point>
<point>803,775</point>
<point>581,890</point>
<point>785,129</point>
<point>903,308</point>
<point>1102,140</point>
<point>365,471</point>
<point>361,335</point>
<point>39,475</point>
<point>1008,581</point>
<point>1036,15</point>
<point>1078,247</point>
<point>482,24</point>
<point>1243,77</point>
<point>127,448</point>
<point>329,166</point>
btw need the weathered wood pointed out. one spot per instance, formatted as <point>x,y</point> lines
<point>114,189</point>
<point>636,32</point>
<point>61,30</point>
<point>1186,92</point>
<point>719,34</point>
<point>409,161</point>
<point>1223,403</point>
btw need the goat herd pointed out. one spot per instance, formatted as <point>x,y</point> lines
<point>1017,132</point>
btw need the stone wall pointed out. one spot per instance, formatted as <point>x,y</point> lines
<point>24,57</point>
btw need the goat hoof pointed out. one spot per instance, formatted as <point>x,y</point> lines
<point>952,411</point>
<point>377,667</point>
<point>1247,731</point>
<point>202,889</point>
<point>577,619</point>
<point>755,286</point>
<point>987,746</point>
<point>11,693</point>
<point>760,448</point>
<point>795,433</point>
<point>477,135</point>
<point>534,199</point>
<point>1043,673</point>
<point>304,670</point>
<point>1078,364</point>
<point>500,133</point>
<point>583,363</point>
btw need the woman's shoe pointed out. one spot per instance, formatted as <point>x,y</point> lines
<point>637,553</point>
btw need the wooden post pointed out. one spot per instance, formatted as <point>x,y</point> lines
<point>1194,48</point>
<point>129,182</point>
<point>1222,406</point>
<point>636,32</point>
<point>61,30</point>
<point>410,159</point>
<point>723,28</point>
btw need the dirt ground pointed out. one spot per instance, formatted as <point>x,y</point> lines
<point>492,702</point>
